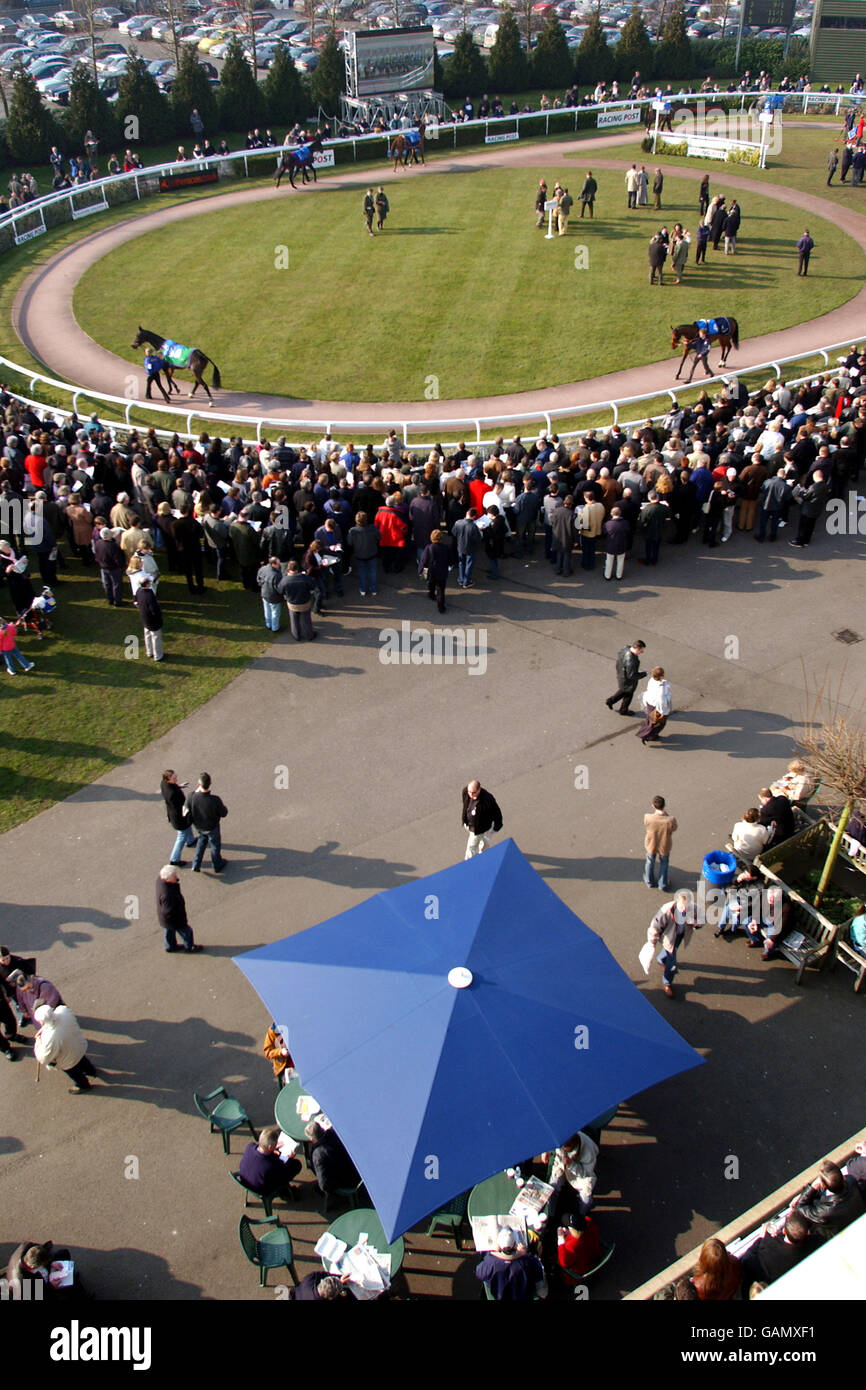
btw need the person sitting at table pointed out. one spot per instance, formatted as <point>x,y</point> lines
<point>578,1245</point>
<point>510,1272</point>
<point>797,784</point>
<point>748,836</point>
<point>574,1164</point>
<point>329,1159</point>
<point>277,1054</point>
<point>776,812</point>
<point>773,1255</point>
<point>320,1287</point>
<point>263,1171</point>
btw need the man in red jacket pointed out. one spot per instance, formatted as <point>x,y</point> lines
<point>393,528</point>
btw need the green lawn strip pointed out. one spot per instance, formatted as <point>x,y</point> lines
<point>462,296</point>
<point>87,706</point>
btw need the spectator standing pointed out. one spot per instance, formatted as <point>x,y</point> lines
<point>659,830</point>
<point>171,911</point>
<point>805,247</point>
<point>672,928</point>
<point>206,811</point>
<point>178,816</point>
<point>151,617</point>
<point>269,580</point>
<point>481,817</point>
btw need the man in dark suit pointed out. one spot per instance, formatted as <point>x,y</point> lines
<point>171,911</point>
<point>262,1169</point>
<point>813,500</point>
<point>772,1256</point>
<point>481,816</point>
<point>628,673</point>
<point>329,1159</point>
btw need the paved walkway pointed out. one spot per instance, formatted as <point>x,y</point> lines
<point>43,317</point>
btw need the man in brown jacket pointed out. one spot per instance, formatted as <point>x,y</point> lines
<point>752,479</point>
<point>659,828</point>
<point>591,520</point>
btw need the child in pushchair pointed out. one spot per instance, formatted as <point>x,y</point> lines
<point>36,619</point>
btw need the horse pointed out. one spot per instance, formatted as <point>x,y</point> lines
<point>408,142</point>
<point>178,358</point>
<point>686,333</point>
<point>299,159</point>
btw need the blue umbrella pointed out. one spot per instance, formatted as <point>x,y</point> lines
<point>453,1025</point>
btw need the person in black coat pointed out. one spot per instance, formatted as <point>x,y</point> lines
<point>776,811</point>
<point>494,541</point>
<point>179,819</point>
<point>188,537</point>
<point>319,1287</point>
<point>730,228</point>
<point>171,911</point>
<point>436,560</point>
<point>112,564</point>
<point>617,541</point>
<point>481,817</point>
<point>329,1160</point>
<point>151,617</point>
<point>774,1255</point>
<point>628,673</point>
<point>715,506</point>
<point>813,500</point>
<point>298,594</point>
<point>718,223</point>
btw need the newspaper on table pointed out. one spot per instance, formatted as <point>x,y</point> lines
<point>532,1198</point>
<point>307,1108</point>
<point>368,1270</point>
<point>485,1230</point>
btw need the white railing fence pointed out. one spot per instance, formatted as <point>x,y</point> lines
<point>432,430</point>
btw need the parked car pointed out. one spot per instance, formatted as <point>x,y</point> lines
<point>68,19</point>
<point>108,16</point>
<point>138,26</point>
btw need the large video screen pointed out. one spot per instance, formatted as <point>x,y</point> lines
<point>392,60</point>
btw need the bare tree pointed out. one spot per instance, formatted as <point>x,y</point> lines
<point>87,9</point>
<point>834,749</point>
<point>171,13</point>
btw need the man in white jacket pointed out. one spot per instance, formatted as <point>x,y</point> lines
<point>61,1043</point>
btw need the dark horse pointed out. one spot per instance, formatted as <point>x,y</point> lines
<point>408,143</point>
<point>686,333</point>
<point>300,159</point>
<point>196,363</point>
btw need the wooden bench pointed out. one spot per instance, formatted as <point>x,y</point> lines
<point>850,957</point>
<point>810,938</point>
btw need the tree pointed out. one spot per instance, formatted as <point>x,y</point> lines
<point>551,60</point>
<point>144,112</point>
<point>465,69</point>
<point>286,101</point>
<point>31,129</point>
<point>239,100</point>
<point>88,109</point>
<point>673,56</point>
<point>595,61</point>
<point>834,750</point>
<point>87,9</point>
<point>634,52</point>
<point>172,16</point>
<point>190,90</point>
<point>329,78</point>
<point>507,64</point>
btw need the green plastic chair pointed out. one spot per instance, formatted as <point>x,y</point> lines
<point>452,1216</point>
<point>344,1197</point>
<point>608,1253</point>
<point>269,1251</point>
<point>266,1201</point>
<point>225,1117</point>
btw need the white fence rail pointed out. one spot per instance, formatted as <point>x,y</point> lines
<point>145,182</point>
<point>431,430</point>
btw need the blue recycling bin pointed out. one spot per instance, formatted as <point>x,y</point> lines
<point>719,867</point>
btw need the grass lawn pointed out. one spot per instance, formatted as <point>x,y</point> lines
<point>460,296</point>
<point>87,707</point>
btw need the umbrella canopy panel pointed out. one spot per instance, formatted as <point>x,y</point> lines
<point>433,1084</point>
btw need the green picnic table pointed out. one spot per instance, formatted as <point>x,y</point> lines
<point>286,1111</point>
<point>352,1224</point>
